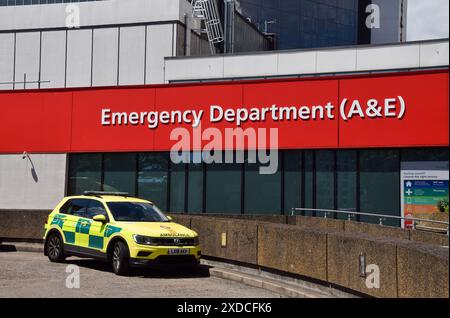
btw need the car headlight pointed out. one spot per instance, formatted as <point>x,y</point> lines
<point>196,241</point>
<point>144,240</point>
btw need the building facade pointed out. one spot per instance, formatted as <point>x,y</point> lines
<point>326,23</point>
<point>94,108</point>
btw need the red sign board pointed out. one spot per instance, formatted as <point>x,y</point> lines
<point>393,110</point>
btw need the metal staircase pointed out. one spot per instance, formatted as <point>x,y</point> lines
<point>206,10</point>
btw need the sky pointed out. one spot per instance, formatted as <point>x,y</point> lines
<point>427,19</point>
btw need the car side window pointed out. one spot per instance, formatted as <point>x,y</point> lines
<point>66,208</point>
<point>95,208</point>
<point>78,207</point>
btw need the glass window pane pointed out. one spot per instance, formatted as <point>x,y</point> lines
<point>95,208</point>
<point>262,191</point>
<point>346,161</point>
<point>380,184</point>
<point>120,173</point>
<point>177,187</point>
<point>324,180</point>
<point>152,178</point>
<point>223,188</point>
<point>309,181</point>
<point>85,173</point>
<point>425,154</point>
<point>292,180</point>
<point>195,186</point>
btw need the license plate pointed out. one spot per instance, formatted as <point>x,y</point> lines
<point>178,251</point>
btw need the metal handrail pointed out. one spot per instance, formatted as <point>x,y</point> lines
<point>380,216</point>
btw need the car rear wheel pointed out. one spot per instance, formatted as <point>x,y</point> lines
<point>120,258</point>
<point>55,248</point>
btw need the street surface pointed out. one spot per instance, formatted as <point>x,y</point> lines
<point>25,274</point>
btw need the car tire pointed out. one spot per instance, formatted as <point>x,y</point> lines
<point>55,248</point>
<point>120,259</point>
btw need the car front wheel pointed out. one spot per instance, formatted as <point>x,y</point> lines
<point>55,251</point>
<point>120,258</point>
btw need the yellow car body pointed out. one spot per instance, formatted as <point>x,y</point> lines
<point>83,233</point>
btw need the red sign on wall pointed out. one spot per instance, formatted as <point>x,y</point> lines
<point>394,110</point>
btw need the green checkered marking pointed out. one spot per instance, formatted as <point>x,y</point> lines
<point>70,237</point>
<point>110,230</point>
<point>58,220</point>
<point>83,226</point>
<point>96,241</point>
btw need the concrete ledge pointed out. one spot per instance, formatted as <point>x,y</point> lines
<point>240,238</point>
<point>376,230</point>
<point>18,224</point>
<point>422,271</point>
<point>320,223</point>
<point>429,238</point>
<point>293,249</point>
<point>343,254</point>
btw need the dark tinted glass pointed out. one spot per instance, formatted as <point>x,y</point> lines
<point>346,161</point>
<point>324,180</point>
<point>223,188</point>
<point>120,173</point>
<point>136,212</point>
<point>152,178</point>
<point>380,183</point>
<point>85,173</point>
<point>262,191</point>
<point>195,186</point>
<point>95,208</point>
<point>292,180</point>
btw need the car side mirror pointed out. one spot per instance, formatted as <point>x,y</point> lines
<point>170,218</point>
<point>100,218</point>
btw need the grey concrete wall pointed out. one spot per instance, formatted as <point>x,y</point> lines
<point>33,184</point>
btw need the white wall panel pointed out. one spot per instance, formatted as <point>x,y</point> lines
<point>53,59</point>
<point>388,57</point>
<point>432,54</point>
<point>297,63</point>
<point>250,65</point>
<point>79,44</point>
<point>160,39</point>
<point>6,60</point>
<point>27,58</point>
<point>35,184</point>
<point>105,55</point>
<point>208,67</point>
<point>333,61</point>
<point>132,55</point>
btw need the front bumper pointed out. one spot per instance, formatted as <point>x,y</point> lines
<point>142,255</point>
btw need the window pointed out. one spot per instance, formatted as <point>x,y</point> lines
<point>195,185</point>
<point>262,191</point>
<point>346,166</point>
<point>136,212</point>
<point>120,173</point>
<point>177,187</point>
<point>223,188</point>
<point>324,180</point>
<point>75,207</point>
<point>432,154</point>
<point>309,182</point>
<point>85,173</point>
<point>380,184</point>
<point>292,180</point>
<point>95,208</point>
<point>152,178</point>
